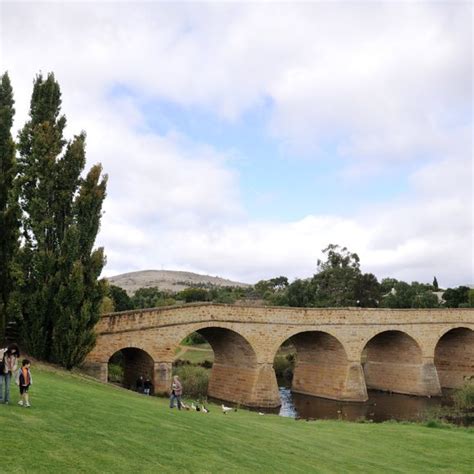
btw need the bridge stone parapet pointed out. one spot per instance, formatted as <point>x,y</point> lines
<point>340,351</point>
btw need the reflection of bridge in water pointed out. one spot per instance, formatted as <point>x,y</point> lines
<point>340,352</point>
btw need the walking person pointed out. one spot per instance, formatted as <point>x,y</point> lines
<point>176,392</point>
<point>8,366</point>
<point>24,380</point>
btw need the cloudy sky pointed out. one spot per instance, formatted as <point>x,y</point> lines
<point>241,138</point>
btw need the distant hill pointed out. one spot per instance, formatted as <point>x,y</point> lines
<point>168,280</point>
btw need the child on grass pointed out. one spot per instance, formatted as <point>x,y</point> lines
<point>24,380</point>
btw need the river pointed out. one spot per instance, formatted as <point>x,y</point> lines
<point>381,406</point>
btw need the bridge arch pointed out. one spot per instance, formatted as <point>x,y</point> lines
<point>322,367</point>
<point>454,357</point>
<point>393,361</point>
<point>236,373</point>
<point>134,362</point>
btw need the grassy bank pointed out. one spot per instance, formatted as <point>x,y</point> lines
<point>196,354</point>
<point>80,425</point>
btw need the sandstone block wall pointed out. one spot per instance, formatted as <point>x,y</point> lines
<point>454,357</point>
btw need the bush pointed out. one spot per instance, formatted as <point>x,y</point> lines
<point>462,413</point>
<point>207,364</point>
<point>283,366</point>
<point>191,295</point>
<point>115,373</point>
<point>193,339</point>
<point>195,380</point>
<point>464,397</point>
<point>180,362</point>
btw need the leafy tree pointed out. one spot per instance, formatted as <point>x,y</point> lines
<point>190,295</point>
<point>471,298</point>
<point>107,305</point>
<point>193,339</point>
<point>338,282</point>
<point>300,293</point>
<point>425,299</point>
<point>435,284</point>
<point>454,297</point>
<point>337,257</point>
<point>273,291</point>
<point>274,284</point>
<point>61,295</point>
<point>421,287</point>
<point>404,295</point>
<point>367,291</point>
<point>151,298</point>
<point>9,211</point>
<point>120,298</point>
<point>337,279</point>
<point>387,284</point>
<point>401,297</point>
<point>225,295</point>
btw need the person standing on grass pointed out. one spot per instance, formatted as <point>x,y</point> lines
<point>24,380</point>
<point>147,386</point>
<point>8,366</point>
<point>176,392</point>
<point>139,384</point>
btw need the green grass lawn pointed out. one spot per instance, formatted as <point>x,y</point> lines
<point>79,425</point>
<point>196,354</point>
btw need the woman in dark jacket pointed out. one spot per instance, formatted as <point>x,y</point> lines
<point>8,366</point>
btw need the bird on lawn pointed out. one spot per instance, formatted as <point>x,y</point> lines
<point>193,406</point>
<point>225,409</point>
<point>204,409</point>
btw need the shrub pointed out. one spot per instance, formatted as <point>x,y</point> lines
<point>181,362</point>
<point>190,295</point>
<point>115,373</point>
<point>464,397</point>
<point>195,380</point>
<point>193,339</point>
<point>207,364</point>
<point>283,366</point>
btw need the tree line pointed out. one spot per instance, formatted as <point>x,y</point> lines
<point>117,298</point>
<point>50,211</point>
<point>338,282</point>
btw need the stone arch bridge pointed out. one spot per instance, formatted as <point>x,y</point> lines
<point>340,352</point>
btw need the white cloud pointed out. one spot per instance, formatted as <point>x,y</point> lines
<point>381,82</point>
<point>384,76</point>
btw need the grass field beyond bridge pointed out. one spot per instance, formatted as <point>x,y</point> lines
<point>79,425</point>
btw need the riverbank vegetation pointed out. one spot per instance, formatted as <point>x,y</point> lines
<point>459,412</point>
<point>80,425</point>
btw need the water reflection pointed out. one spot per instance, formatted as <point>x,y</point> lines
<point>381,406</point>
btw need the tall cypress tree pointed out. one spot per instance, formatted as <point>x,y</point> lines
<point>8,203</point>
<point>61,218</point>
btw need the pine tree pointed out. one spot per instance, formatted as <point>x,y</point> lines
<point>8,204</point>
<point>61,218</point>
<point>435,284</point>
